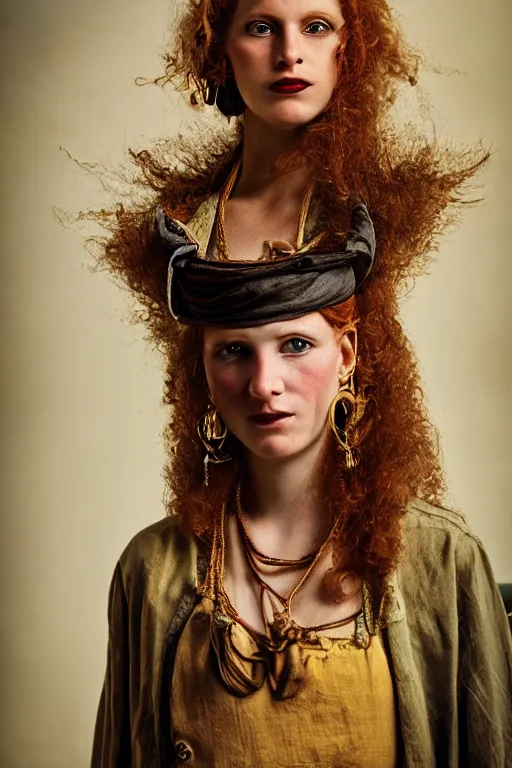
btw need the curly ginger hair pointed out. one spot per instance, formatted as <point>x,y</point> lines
<point>413,188</point>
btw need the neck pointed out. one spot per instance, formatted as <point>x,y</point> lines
<point>287,491</point>
<point>263,147</point>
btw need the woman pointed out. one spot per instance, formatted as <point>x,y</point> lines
<point>309,602</point>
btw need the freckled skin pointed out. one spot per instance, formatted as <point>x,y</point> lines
<point>292,367</point>
<point>271,39</point>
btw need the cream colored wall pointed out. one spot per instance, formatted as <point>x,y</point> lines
<point>82,454</point>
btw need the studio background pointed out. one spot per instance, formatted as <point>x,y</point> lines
<point>81,451</point>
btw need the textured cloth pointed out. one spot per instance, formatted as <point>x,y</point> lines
<point>343,715</point>
<point>446,631</point>
<point>244,294</point>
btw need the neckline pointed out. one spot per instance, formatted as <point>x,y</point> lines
<point>223,197</point>
<point>226,612</point>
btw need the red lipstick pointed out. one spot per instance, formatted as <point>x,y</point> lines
<point>269,419</point>
<point>289,86</point>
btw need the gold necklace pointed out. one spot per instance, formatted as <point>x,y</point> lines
<point>222,246</point>
<point>258,555</point>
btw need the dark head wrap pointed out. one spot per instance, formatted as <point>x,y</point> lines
<point>241,294</point>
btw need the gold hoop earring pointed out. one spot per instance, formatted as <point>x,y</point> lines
<point>213,433</point>
<point>346,399</point>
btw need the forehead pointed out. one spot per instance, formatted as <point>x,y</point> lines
<point>314,325</point>
<point>287,9</point>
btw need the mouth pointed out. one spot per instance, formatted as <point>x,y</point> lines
<point>289,85</point>
<point>269,419</point>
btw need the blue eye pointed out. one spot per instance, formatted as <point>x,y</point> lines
<point>319,27</point>
<point>259,28</point>
<point>296,346</point>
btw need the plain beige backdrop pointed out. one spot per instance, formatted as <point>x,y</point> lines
<point>82,416</point>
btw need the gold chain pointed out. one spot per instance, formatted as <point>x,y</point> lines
<point>224,195</point>
<point>222,247</point>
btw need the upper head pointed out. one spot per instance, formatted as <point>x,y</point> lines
<point>353,56</point>
<point>273,336</point>
<point>273,384</point>
<point>268,42</point>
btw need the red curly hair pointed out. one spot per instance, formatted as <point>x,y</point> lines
<point>412,187</point>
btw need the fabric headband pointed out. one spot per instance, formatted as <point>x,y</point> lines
<point>242,294</point>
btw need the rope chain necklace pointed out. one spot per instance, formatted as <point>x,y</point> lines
<point>258,555</point>
<point>252,554</point>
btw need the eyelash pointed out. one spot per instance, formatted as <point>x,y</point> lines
<point>302,341</point>
<point>238,350</point>
<point>251,27</point>
<point>225,354</point>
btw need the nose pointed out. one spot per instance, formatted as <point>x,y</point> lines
<point>266,379</point>
<point>288,51</point>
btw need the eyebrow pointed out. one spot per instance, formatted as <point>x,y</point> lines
<point>294,333</point>
<point>297,332</point>
<point>312,14</point>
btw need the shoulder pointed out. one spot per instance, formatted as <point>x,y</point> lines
<point>198,226</point>
<point>439,550</point>
<point>158,554</point>
<point>449,628</point>
<point>428,525</point>
<point>442,556</point>
<point>421,514</point>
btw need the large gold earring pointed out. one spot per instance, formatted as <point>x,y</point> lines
<point>213,433</point>
<point>345,400</point>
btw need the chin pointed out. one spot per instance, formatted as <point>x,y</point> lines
<point>275,456</point>
<point>277,448</point>
<point>290,115</point>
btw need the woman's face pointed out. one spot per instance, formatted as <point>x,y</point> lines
<point>284,57</point>
<point>273,385</point>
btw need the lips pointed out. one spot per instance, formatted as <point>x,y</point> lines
<point>289,85</point>
<point>269,419</point>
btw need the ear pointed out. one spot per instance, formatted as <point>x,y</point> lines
<point>348,349</point>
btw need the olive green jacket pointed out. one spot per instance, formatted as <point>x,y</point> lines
<point>447,638</point>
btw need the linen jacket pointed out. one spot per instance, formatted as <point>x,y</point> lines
<point>447,638</point>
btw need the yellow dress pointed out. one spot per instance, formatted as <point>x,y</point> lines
<point>294,699</point>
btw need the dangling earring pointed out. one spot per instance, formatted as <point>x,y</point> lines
<point>346,399</point>
<point>213,433</point>
<point>228,98</point>
<point>210,96</point>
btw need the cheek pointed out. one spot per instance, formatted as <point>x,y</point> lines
<point>331,67</point>
<point>318,382</point>
<point>326,60</point>
<point>225,383</point>
<point>244,56</point>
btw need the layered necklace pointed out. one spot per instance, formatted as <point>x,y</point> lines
<point>255,558</point>
<point>257,555</point>
<point>246,660</point>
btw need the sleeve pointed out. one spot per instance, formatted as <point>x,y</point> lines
<point>485,666</point>
<point>111,745</point>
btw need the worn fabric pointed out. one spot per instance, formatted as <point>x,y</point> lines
<point>343,715</point>
<point>446,635</point>
<point>250,293</point>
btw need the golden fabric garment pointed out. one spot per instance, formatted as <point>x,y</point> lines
<point>446,629</point>
<point>343,714</point>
